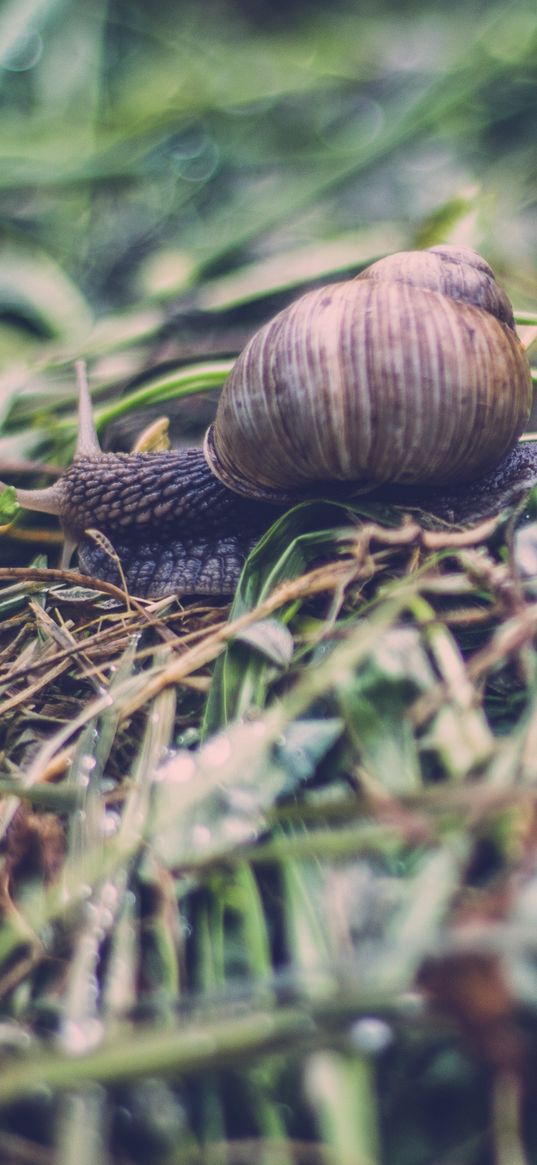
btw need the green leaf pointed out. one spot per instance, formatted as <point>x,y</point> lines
<point>375,704</point>
<point>9,506</point>
<point>270,639</point>
<point>303,745</point>
<point>307,533</point>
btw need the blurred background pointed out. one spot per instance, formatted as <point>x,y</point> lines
<point>201,156</point>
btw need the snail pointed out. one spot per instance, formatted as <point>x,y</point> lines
<point>408,381</point>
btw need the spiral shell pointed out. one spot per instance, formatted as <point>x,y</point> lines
<point>412,372</point>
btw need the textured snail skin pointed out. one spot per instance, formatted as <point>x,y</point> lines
<point>196,538</point>
<point>472,502</point>
<point>173,526</point>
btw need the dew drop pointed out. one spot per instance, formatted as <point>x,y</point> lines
<point>81,1036</point>
<point>179,770</point>
<point>217,753</point>
<point>371,1036</point>
<point>24,54</point>
<point>201,836</point>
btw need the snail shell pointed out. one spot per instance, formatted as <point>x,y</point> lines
<point>412,372</point>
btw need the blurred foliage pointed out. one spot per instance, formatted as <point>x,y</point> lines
<point>144,146</point>
<point>309,935</point>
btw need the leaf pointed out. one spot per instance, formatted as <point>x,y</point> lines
<point>35,288</point>
<point>210,802</point>
<point>207,803</point>
<point>305,534</point>
<point>308,532</point>
<point>154,438</point>
<point>173,385</point>
<point>374,706</point>
<point>270,639</point>
<point>9,506</point>
<point>303,745</point>
<point>82,595</point>
<point>293,268</point>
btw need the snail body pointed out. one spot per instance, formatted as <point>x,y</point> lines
<point>172,524</point>
<point>409,379</point>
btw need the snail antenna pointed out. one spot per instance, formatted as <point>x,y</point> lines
<point>87,444</point>
<point>50,500</point>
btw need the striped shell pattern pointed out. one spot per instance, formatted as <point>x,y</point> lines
<point>412,372</point>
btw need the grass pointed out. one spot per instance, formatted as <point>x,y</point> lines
<point>338,870</point>
<point>268,867</point>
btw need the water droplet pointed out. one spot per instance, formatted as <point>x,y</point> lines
<point>24,54</point>
<point>243,800</point>
<point>194,155</point>
<point>110,824</point>
<point>80,1036</point>
<point>201,836</point>
<point>217,752</point>
<point>371,1035</point>
<point>181,769</point>
<point>188,738</point>
<point>88,762</point>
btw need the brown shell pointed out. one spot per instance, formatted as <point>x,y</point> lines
<point>394,376</point>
